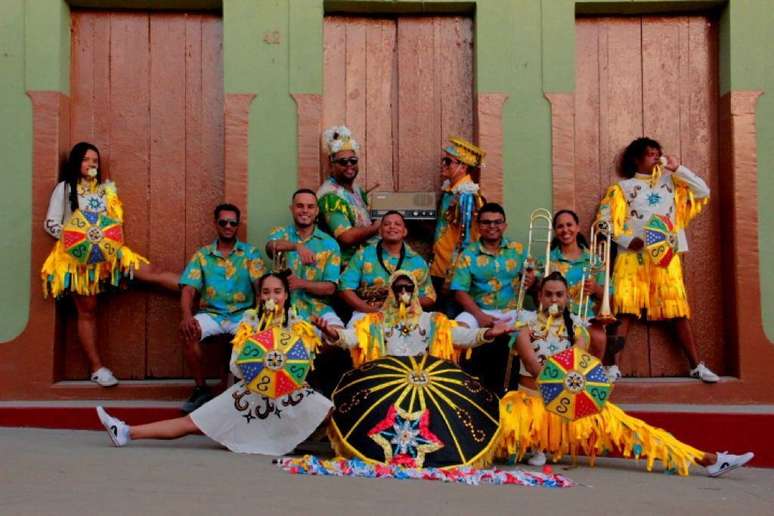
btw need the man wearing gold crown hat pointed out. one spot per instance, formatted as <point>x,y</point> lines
<point>653,184</point>
<point>460,201</point>
<point>343,205</point>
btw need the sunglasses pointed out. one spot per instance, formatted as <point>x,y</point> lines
<point>447,161</point>
<point>346,161</point>
<point>228,222</point>
<point>491,222</point>
<point>403,288</point>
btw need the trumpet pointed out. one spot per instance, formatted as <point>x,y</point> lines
<point>600,242</point>
<point>540,232</point>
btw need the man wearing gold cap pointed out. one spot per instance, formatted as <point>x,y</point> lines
<point>460,201</point>
<point>344,206</point>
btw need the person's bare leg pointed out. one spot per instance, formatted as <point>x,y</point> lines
<point>685,339</point>
<point>86,307</point>
<point>598,339</point>
<point>155,276</point>
<point>192,350</point>
<point>166,429</point>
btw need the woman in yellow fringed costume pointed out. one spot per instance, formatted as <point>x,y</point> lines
<point>85,215</point>
<point>653,185</point>
<point>527,426</point>
<point>240,418</point>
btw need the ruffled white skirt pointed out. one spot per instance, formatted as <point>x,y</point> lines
<point>245,422</point>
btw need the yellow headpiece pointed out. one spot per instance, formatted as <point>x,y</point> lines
<point>339,138</point>
<point>465,151</point>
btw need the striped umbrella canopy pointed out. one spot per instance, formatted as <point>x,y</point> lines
<point>574,384</point>
<point>92,237</point>
<point>414,411</point>
<point>274,362</point>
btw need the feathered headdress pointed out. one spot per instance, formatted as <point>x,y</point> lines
<point>339,138</point>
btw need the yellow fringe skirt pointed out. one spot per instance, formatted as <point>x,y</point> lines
<point>62,274</point>
<point>640,284</point>
<point>525,425</point>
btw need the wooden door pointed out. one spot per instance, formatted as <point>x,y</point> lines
<point>655,76</point>
<point>403,85</point>
<point>147,89</point>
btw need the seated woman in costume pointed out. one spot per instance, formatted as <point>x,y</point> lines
<point>402,328</point>
<point>570,255</point>
<point>85,215</point>
<point>241,419</point>
<point>527,425</point>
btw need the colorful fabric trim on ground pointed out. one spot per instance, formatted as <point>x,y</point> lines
<point>339,467</point>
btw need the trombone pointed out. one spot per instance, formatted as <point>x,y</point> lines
<point>540,232</point>
<point>599,243</point>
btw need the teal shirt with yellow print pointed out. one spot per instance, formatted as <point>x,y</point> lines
<point>225,283</point>
<point>491,279</point>
<point>326,267</point>
<point>572,270</point>
<point>365,270</point>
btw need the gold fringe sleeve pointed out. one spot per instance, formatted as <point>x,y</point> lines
<point>525,425</point>
<point>369,332</point>
<point>243,332</point>
<point>441,344</point>
<point>686,206</point>
<point>115,208</point>
<point>613,206</point>
<point>308,336</point>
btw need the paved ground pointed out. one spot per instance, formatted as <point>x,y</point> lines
<point>77,472</point>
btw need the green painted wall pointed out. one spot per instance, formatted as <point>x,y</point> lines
<point>34,55</point>
<point>16,149</point>
<point>273,48</point>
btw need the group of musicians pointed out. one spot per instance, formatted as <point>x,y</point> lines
<point>339,269</point>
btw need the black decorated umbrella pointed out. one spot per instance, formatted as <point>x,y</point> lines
<point>414,411</point>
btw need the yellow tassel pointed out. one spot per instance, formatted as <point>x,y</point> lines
<point>613,205</point>
<point>115,209</point>
<point>640,284</point>
<point>441,345</point>
<point>370,339</point>
<point>526,425</point>
<point>686,206</point>
<point>60,268</point>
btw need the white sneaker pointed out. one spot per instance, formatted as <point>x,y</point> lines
<point>537,459</point>
<point>613,373</point>
<point>116,429</point>
<point>727,461</point>
<point>104,377</point>
<point>703,373</point>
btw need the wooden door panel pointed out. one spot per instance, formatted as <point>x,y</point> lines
<point>381,96</point>
<point>147,89</point>
<point>654,76</point>
<point>402,85</point>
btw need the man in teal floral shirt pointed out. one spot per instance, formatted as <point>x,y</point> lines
<point>222,276</point>
<point>487,274</point>
<point>363,284</point>
<point>313,257</point>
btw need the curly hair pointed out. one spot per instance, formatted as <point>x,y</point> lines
<point>633,152</point>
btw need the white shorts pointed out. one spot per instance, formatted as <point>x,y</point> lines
<point>210,326</point>
<point>332,319</point>
<point>509,316</point>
